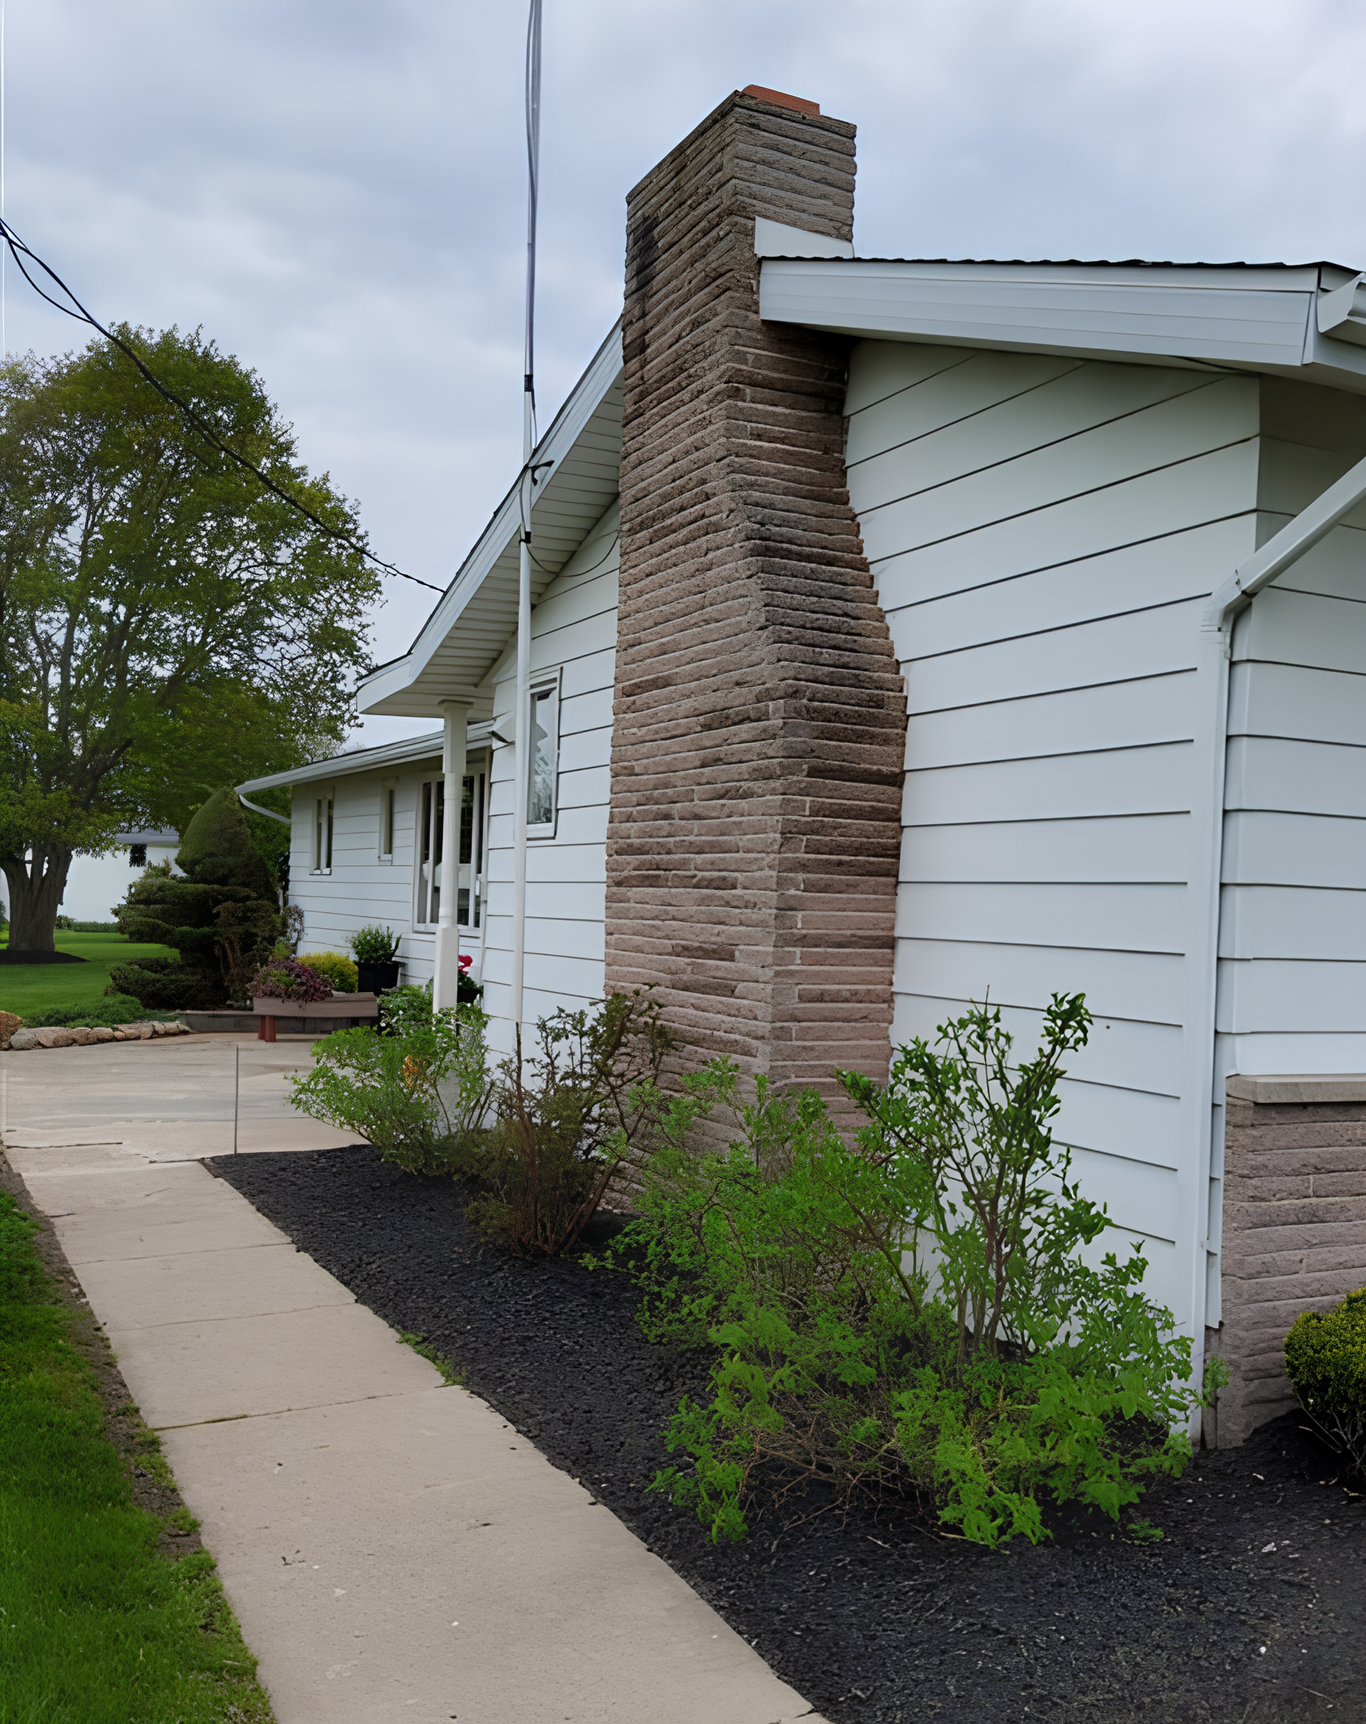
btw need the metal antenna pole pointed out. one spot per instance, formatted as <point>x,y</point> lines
<point>236,1088</point>
<point>522,722</point>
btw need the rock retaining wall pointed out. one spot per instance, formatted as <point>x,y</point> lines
<point>1294,1233</point>
<point>83,1035</point>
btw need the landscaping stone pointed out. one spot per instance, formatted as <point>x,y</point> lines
<point>85,1035</point>
<point>9,1023</point>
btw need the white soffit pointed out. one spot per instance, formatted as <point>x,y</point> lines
<point>777,239</point>
<point>469,627</point>
<point>1260,318</point>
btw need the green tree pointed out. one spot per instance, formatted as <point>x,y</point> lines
<point>167,625</point>
<point>220,914</point>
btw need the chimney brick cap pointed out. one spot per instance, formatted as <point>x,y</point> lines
<point>780,99</point>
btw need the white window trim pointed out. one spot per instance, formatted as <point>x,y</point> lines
<point>422,900</point>
<point>388,817</point>
<point>547,682</point>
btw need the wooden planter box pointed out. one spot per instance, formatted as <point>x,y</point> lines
<point>294,1012</point>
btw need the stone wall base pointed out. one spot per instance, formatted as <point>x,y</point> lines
<point>1294,1235</point>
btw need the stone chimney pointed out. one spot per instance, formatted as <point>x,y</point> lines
<point>759,720</point>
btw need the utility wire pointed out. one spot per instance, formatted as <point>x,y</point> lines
<point>16,248</point>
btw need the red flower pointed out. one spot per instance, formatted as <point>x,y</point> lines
<point>465,960</point>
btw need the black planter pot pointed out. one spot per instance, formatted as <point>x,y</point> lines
<point>374,978</point>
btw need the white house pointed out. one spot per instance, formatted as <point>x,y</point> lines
<point>1106,522</point>
<point>94,884</point>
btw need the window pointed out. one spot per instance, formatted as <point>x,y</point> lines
<point>469,871</point>
<point>431,817</point>
<point>386,823</point>
<point>472,792</point>
<point>545,753</point>
<point>322,835</point>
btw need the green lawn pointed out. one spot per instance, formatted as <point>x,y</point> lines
<point>96,1626</point>
<point>29,988</point>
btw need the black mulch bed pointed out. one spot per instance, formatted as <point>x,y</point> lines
<point>867,1613</point>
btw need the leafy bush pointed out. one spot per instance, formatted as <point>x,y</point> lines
<point>567,1121</point>
<point>64,924</point>
<point>418,1090</point>
<point>339,970</point>
<point>289,979</point>
<point>910,1311</point>
<point>94,927</point>
<point>1325,1359</point>
<point>374,945</point>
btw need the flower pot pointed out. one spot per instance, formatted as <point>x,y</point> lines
<point>374,978</point>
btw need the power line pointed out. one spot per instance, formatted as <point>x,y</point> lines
<point>16,247</point>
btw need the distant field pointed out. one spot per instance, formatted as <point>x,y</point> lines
<point>31,988</point>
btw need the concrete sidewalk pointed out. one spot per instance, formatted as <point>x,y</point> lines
<point>393,1549</point>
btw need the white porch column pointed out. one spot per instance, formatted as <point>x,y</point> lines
<point>457,714</point>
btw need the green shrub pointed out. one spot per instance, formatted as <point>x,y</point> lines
<point>1325,1359</point>
<point>339,970</point>
<point>910,1311</point>
<point>374,945</point>
<point>567,1121</point>
<point>419,1091</point>
<point>112,1010</point>
<point>94,927</point>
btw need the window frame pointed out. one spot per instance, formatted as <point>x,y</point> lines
<point>546,686</point>
<point>388,820</point>
<point>323,830</point>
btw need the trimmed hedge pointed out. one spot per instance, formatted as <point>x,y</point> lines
<point>1325,1359</point>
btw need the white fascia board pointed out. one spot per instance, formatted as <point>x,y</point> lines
<point>1218,317</point>
<point>399,688</point>
<point>777,239</point>
<point>387,755</point>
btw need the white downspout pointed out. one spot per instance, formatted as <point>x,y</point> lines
<point>446,973</point>
<point>1277,555</point>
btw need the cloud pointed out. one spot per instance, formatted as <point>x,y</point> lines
<point>333,189</point>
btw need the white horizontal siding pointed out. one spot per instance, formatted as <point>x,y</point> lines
<point>1292,972</point>
<point>573,631</point>
<point>361,889</point>
<point>1045,534</point>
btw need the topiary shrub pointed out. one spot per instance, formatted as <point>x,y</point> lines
<point>339,970</point>
<point>221,916</point>
<point>1325,1359</point>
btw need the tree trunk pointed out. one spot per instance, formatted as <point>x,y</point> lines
<point>36,885</point>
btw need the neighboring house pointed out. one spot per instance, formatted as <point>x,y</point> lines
<point>932,631</point>
<point>95,884</point>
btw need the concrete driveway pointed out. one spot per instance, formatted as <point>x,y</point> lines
<point>393,1550</point>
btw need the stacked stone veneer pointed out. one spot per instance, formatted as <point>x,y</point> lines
<point>1294,1235</point>
<point>759,720</point>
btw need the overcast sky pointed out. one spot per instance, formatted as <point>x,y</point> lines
<point>333,189</point>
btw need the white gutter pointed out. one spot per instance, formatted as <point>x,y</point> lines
<point>1277,555</point>
<point>269,813</point>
